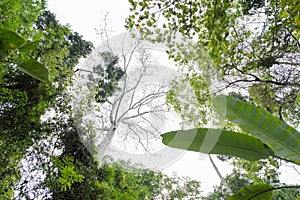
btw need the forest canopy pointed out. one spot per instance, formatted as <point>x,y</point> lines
<point>247,51</point>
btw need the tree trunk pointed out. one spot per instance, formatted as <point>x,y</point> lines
<point>103,146</point>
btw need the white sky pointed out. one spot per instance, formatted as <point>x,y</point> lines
<point>84,17</point>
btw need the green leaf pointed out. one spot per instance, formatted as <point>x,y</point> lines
<point>29,46</point>
<point>283,139</point>
<point>216,141</point>
<point>254,192</point>
<point>35,69</point>
<point>10,40</point>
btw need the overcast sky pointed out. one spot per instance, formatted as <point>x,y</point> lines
<point>85,16</point>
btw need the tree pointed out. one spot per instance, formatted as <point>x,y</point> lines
<point>25,99</point>
<point>122,81</point>
<point>18,121</point>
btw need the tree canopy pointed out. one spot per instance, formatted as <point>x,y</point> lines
<point>246,49</point>
<point>252,45</point>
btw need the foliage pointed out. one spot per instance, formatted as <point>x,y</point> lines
<point>278,137</point>
<point>34,69</point>
<point>253,48</point>
<point>271,132</point>
<point>187,95</point>
<point>14,18</point>
<point>264,171</point>
<point>9,40</point>
<point>24,99</point>
<point>137,183</point>
<point>59,40</point>
<point>68,173</point>
<point>251,44</point>
<point>258,192</point>
<point>238,180</point>
<point>110,74</point>
<point>290,12</point>
<point>105,180</point>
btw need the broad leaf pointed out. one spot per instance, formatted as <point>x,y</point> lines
<point>283,139</point>
<point>216,141</point>
<point>10,40</point>
<point>254,192</point>
<point>35,69</point>
<point>29,46</point>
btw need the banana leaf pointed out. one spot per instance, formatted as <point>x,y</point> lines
<point>254,192</point>
<point>217,141</point>
<point>283,139</point>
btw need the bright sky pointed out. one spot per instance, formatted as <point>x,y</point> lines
<point>84,17</point>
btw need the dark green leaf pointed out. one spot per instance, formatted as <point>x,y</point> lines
<point>35,69</point>
<point>29,46</point>
<point>10,40</point>
<point>217,141</point>
<point>283,139</point>
<point>254,192</point>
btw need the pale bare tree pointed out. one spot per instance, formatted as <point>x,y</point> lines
<point>135,114</point>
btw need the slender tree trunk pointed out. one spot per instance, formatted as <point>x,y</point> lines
<point>223,181</point>
<point>103,146</point>
<point>216,168</point>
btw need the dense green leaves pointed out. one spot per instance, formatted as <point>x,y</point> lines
<point>216,141</point>
<point>69,174</point>
<point>252,174</point>
<point>109,74</point>
<point>280,137</point>
<point>254,192</point>
<point>249,43</point>
<point>27,93</point>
